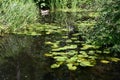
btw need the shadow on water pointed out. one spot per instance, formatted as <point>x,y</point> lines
<point>22,56</point>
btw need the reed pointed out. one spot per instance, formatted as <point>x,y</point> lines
<point>16,14</point>
<point>58,4</point>
<point>74,4</point>
<point>65,4</point>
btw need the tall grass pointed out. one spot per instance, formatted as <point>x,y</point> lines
<point>16,14</point>
<point>69,4</point>
<point>76,4</point>
<point>58,4</point>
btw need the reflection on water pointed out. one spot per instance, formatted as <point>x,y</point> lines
<point>22,56</point>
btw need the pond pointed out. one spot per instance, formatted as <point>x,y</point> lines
<point>22,56</point>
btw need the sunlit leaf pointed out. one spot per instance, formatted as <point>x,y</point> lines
<point>68,40</point>
<point>60,58</point>
<point>48,42</point>
<point>71,67</point>
<point>55,65</point>
<point>86,63</point>
<point>115,59</point>
<point>105,61</point>
<point>48,55</point>
<point>33,33</point>
<point>73,38</point>
<point>65,37</point>
<point>72,59</point>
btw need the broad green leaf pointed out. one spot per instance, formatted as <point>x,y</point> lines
<point>55,65</point>
<point>48,55</point>
<point>115,59</point>
<point>86,63</point>
<point>48,42</point>
<point>68,40</point>
<point>60,58</point>
<point>72,59</point>
<point>105,61</point>
<point>33,33</point>
<point>71,67</point>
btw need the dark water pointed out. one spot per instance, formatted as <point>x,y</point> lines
<point>22,56</point>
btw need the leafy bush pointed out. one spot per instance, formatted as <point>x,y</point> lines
<point>107,31</point>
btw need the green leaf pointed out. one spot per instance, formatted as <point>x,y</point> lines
<point>33,33</point>
<point>72,59</point>
<point>71,67</point>
<point>60,58</point>
<point>84,53</point>
<point>115,59</point>
<point>48,55</point>
<point>105,61</point>
<point>86,63</point>
<point>77,34</point>
<point>55,65</point>
<point>64,37</point>
<point>86,46</point>
<point>68,40</point>
<point>48,42</point>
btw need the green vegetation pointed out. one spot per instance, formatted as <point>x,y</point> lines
<point>17,14</point>
<point>75,34</point>
<point>102,39</point>
<point>106,32</point>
